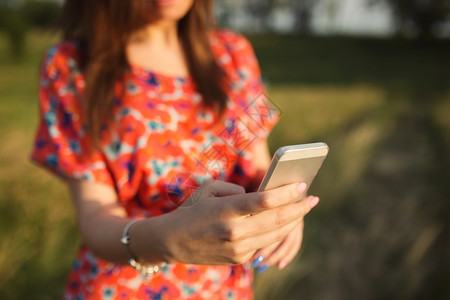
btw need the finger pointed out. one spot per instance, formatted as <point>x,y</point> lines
<point>292,252</point>
<point>288,248</point>
<point>261,201</point>
<point>290,243</point>
<point>271,220</point>
<point>279,253</point>
<point>259,258</point>
<point>253,244</point>
<point>220,188</point>
<point>289,257</point>
<point>265,251</point>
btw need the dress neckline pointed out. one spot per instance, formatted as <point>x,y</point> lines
<point>148,73</point>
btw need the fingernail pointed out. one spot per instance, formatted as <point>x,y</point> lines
<point>314,201</point>
<point>281,265</point>
<point>301,187</point>
<point>258,261</point>
<point>263,268</point>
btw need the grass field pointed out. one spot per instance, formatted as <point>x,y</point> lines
<point>381,230</point>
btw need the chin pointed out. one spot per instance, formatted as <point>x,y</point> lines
<point>172,10</point>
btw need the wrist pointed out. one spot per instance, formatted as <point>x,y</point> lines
<point>149,238</point>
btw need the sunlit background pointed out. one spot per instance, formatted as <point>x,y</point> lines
<point>369,77</point>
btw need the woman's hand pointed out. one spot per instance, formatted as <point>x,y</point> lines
<point>282,253</point>
<point>228,226</point>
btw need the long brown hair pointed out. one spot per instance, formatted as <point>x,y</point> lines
<point>102,28</point>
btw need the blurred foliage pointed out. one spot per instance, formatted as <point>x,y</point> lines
<point>41,14</point>
<point>17,19</point>
<point>420,16</point>
<point>262,10</point>
<point>413,18</point>
<point>15,27</point>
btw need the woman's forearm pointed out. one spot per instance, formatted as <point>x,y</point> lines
<point>225,226</point>
<point>101,221</point>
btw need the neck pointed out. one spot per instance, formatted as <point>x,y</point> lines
<point>158,40</point>
<point>159,33</point>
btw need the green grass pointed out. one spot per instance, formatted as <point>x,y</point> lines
<point>37,228</point>
<point>381,228</point>
<point>383,106</point>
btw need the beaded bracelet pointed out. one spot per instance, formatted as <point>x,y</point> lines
<point>146,271</point>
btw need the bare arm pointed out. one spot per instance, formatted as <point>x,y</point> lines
<point>261,162</point>
<point>101,220</point>
<point>261,154</point>
<point>225,226</point>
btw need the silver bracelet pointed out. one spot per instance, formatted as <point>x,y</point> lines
<point>146,271</point>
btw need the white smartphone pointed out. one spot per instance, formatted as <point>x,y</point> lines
<point>296,163</point>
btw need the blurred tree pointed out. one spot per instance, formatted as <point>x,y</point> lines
<point>16,17</point>
<point>258,14</point>
<point>303,11</point>
<point>41,14</point>
<point>419,17</point>
<point>300,8</point>
<point>14,26</point>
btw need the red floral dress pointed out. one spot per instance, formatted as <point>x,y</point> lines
<point>162,144</point>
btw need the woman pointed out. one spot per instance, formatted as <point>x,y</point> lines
<point>149,116</point>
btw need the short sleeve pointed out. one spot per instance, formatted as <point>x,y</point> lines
<point>255,109</point>
<point>61,144</point>
<point>253,114</point>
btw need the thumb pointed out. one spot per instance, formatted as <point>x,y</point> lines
<point>220,188</point>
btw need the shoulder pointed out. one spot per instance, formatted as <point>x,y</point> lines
<point>60,80</point>
<point>232,41</point>
<point>61,59</point>
<point>234,53</point>
<point>227,36</point>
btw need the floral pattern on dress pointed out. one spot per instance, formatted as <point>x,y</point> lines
<point>162,144</point>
